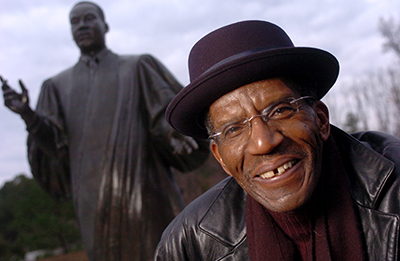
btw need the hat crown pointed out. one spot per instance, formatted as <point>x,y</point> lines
<point>233,40</point>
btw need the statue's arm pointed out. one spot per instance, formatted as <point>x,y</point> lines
<point>159,87</point>
<point>44,131</point>
<point>47,150</point>
<point>18,102</point>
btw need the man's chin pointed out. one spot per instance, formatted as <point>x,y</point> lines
<point>85,44</point>
<point>285,203</point>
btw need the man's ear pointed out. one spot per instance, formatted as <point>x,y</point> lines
<point>322,113</point>
<point>217,155</point>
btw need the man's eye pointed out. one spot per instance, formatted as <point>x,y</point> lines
<point>233,130</point>
<point>90,17</point>
<point>282,111</point>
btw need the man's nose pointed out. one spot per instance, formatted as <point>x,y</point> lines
<point>263,138</point>
<point>82,24</point>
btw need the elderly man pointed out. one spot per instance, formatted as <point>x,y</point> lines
<point>99,135</point>
<point>300,188</point>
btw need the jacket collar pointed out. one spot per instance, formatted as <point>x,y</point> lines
<point>97,58</point>
<point>225,219</point>
<point>367,170</point>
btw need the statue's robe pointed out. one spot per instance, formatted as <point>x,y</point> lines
<point>101,138</point>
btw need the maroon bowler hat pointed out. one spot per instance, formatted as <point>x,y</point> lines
<point>239,54</point>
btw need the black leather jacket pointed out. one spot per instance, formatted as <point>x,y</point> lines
<point>213,227</point>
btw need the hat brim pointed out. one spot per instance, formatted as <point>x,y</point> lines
<point>184,110</point>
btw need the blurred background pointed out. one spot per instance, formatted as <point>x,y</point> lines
<point>36,44</point>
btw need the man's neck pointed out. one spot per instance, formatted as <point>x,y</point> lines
<point>92,52</point>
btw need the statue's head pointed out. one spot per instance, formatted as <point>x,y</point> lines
<point>88,27</point>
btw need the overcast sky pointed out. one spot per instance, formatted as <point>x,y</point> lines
<point>36,43</point>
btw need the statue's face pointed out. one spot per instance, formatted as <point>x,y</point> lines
<point>88,28</point>
<point>277,162</point>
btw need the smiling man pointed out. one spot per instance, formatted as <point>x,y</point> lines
<point>300,188</point>
<point>99,135</point>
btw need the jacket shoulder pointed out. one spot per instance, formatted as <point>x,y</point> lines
<point>209,228</point>
<point>378,141</point>
<point>61,76</point>
<point>198,209</point>
<point>136,58</point>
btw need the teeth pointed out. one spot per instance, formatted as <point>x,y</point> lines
<point>288,165</point>
<point>269,174</point>
<point>278,171</point>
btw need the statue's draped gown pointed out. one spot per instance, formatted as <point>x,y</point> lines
<point>101,138</point>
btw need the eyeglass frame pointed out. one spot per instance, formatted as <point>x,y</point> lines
<point>264,117</point>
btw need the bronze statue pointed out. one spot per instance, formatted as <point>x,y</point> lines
<point>98,135</point>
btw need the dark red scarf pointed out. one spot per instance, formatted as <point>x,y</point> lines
<point>325,229</point>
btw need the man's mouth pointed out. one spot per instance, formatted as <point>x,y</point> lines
<point>83,35</point>
<point>278,171</point>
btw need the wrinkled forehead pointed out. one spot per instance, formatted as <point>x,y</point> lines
<point>249,99</point>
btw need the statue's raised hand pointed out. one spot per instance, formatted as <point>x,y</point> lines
<point>182,144</point>
<point>17,102</point>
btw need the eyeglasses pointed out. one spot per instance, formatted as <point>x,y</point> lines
<point>274,114</point>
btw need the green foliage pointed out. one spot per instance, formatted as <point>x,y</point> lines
<point>30,220</point>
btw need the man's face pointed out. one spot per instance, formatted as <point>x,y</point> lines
<point>292,147</point>
<point>88,28</point>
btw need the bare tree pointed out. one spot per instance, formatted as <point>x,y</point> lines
<point>351,124</point>
<point>390,30</point>
<point>394,83</point>
<point>374,99</point>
